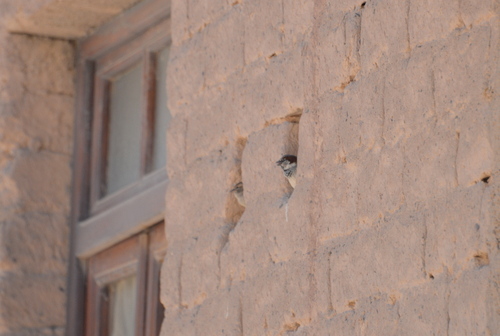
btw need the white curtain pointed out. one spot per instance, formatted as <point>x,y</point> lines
<point>122,306</point>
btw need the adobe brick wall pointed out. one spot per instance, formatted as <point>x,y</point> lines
<point>36,121</point>
<point>390,230</point>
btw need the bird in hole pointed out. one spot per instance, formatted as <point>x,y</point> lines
<point>289,165</point>
<point>238,193</point>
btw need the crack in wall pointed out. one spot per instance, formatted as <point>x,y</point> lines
<point>358,44</point>
<point>424,247</point>
<point>382,135</point>
<point>448,319</point>
<point>407,19</point>
<point>403,149</point>
<point>329,279</point>
<point>433,92</point>
<point>240,317</point>
<point>226,231</point>
<point>456,158</point>
<point>282,27</point>
<point>186,126</point>
<point>179,282</point>
<point>243,47</point>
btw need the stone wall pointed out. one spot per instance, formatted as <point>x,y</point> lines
<point>393,228</point>
<point>36,118</point>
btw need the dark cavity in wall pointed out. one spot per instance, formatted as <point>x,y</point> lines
<point>290,152</point>
<point>236,201</point>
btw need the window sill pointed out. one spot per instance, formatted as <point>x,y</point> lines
<point>121,221</point>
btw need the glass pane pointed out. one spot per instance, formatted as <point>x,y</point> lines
<point>124,151</point>
<point>122,307</point>
<point>162,114</point>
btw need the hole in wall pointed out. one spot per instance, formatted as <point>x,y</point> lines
<point>482,259</point>
<point>431,276</point>
<point>363,4</point>
<point>393,298</point>
<point>289,327</point>
<point>236,200</point>
<point>486,179</point>
<point>288,162</point>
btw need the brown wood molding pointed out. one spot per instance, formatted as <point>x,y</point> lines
<point>154,308</point>
<point>131,23</point>
<point>128,258</point>
<point>115,224</point>
<point>140,256</point>
<point>100,222</point>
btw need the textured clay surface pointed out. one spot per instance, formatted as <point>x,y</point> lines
<point>36,135</point>
<point>393,227</point>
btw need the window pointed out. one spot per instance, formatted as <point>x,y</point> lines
<point>119,175</point>
<point>123,287</point>
<point>128,150</point>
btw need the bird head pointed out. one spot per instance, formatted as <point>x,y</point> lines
<point>287,161</point>
<point>238,187</point>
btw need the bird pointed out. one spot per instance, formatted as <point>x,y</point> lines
<point>289,165</point>
<point>238,193</point>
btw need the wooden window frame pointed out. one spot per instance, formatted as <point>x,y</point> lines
<point>120,261</point>
<point>141,255</point>
<point>100,222</point>
<point>113,63</point>
<point>104,221</point>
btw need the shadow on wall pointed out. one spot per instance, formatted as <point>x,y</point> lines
<point>287,162</point>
